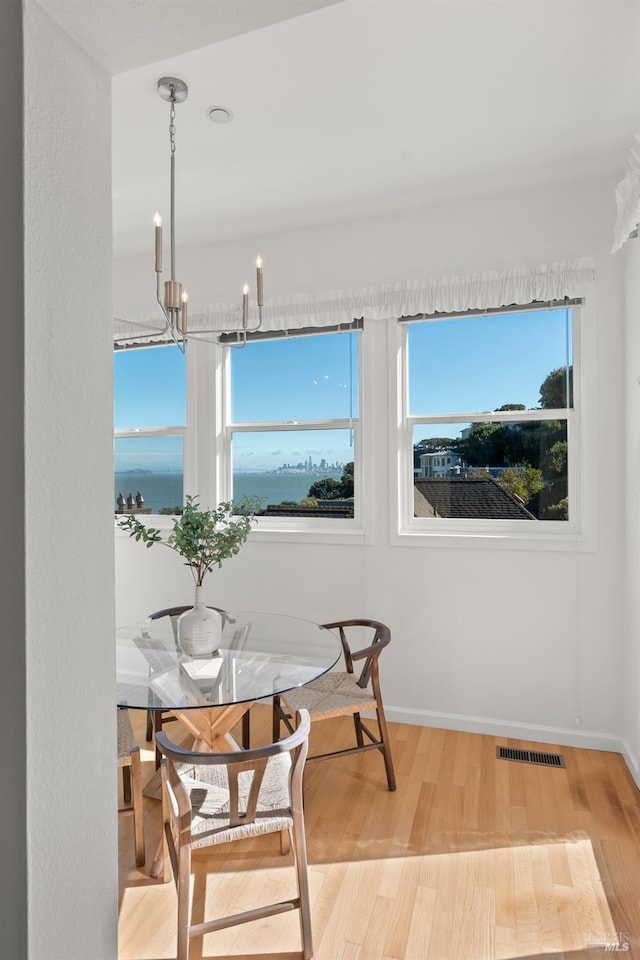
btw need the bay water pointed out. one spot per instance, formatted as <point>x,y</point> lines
<point>165,489</point>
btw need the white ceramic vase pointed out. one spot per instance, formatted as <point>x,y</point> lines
<point>199,629</point>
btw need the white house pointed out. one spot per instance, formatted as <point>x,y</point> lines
<point>443,463</point>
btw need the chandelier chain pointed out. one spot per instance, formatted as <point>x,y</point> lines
<point>172,122</point>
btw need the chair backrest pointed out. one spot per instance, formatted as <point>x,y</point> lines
<point>243,802</point>
<point>380,639</point>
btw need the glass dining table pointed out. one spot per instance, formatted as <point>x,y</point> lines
<point>261,654</point>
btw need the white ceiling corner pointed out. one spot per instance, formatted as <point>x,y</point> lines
<point>125,34</point>
<point>356,108</point>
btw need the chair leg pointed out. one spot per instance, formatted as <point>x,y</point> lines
<point>184,902</point>
<point>157,728</point>
<point>126,784</point>
<point>167,862</point>
<point>386,748</point>
<point>280,716</point>
<point>300,857</point>
<point>275,719</point>
<point>138,809</point>
<point>357,722</point>
<point>246,731</point>
<point>149,734</point>
<point>285,842</point>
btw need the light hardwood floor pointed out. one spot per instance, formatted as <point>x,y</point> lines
<point>473,858</point>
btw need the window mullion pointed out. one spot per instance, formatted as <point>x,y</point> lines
<point>502,416</point>
<point>150,432</point>
<point>259,427</point>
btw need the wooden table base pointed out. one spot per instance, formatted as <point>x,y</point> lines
<point>211,728</point>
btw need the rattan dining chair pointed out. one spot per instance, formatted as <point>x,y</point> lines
<point>215,798</point>
<point>156,718</point>
<point>129,762</point>
<point>342,693</point>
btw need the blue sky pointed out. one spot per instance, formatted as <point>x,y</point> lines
<point>488,361</point>
<point>456,366</point>
<point>149,388</point>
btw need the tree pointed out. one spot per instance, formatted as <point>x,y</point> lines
<point>524,482</point>
<point>325,489</point>
<point>553,390</point>
<point>330,489</point>
<point>559,510</point>
<point>481,446</point>
<point>346,481</point>
<point>556,458</point>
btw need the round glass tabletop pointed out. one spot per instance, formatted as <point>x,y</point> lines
<point>261,654</point>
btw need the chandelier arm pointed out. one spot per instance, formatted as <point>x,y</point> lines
<point>181,344</point>
<point>169,328</point>
<point>247,329</point>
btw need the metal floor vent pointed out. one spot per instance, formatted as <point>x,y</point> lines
<point>530,756</point>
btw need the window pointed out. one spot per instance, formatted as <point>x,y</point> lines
<point>489,435</point>
<point>292,430</point>
<point>150,424</point>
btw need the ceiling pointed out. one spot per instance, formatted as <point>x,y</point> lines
<point>355,108</point>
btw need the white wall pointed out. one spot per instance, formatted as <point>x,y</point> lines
<point>510,640</point>
<point>630,258</point>
<point>67,411</point>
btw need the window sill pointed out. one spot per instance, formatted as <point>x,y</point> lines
<point>296,531</point>
<point>156,520</point>
<point>292,530</point>
<point>569,540</point>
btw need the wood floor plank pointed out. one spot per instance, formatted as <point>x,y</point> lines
<point>504,886</point>
<point>419,939</point>
<point>472,858</point>
<point>396,936</point>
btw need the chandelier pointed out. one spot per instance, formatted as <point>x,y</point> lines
<point>173,300</point>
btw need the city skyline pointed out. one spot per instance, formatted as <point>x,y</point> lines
<point>301,467</point>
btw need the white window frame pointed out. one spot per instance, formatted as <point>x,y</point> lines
<point>189,456</point>
<point>308,529</point>
<point>577,532</point>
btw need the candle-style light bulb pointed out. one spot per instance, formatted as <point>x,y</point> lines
<point>259,292</point>
<point>183,313</point>
<point>245,306</point>
<point>157,219</point>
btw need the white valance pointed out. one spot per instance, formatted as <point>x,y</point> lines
<point>628,200</point>
<point>478,291</point>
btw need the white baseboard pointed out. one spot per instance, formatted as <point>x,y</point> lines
<point>560,736</point>
<point>632,762</point>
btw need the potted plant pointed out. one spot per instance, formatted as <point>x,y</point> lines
<point>203,538</point>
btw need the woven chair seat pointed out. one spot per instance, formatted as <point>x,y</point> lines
<point>333,694</point>
<point>126,740</point>
<point>208,791</point>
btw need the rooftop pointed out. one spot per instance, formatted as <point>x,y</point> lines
<point>468,499</point>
